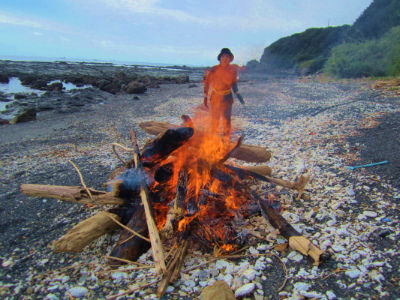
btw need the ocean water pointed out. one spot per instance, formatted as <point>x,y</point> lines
<point>14,86</point>
<point>78,60</point>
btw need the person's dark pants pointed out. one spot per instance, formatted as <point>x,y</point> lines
<point>221,108</point>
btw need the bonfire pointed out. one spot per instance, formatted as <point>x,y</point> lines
<point>178,192</point>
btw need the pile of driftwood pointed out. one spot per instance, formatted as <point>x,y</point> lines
<point>177,192</point>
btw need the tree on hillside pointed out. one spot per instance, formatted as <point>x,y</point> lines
<point>376,20</point>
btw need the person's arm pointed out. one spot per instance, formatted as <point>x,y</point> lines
<point>207,77</point>
<point>236,91</point>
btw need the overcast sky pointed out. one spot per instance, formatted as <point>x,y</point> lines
<point>190,32</point>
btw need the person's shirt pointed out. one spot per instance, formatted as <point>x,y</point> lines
<point>221,78</point>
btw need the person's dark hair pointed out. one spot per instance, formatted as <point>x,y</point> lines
<point>225,51</point>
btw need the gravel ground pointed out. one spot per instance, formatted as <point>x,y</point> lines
<point>307,123</point>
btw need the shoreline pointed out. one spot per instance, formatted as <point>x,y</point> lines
<point>303,123</point>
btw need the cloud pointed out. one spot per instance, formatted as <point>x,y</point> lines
<point>16,20</point>
<point>37,33</point>
<point>64,39</point>
<point>32,22</point>
<point>146,8</point>
<point>103,43</point>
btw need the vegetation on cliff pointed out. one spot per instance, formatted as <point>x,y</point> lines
<point>369,47</point>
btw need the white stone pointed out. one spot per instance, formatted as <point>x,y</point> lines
<point>370,214</point>
<point>78,292</point>
<point>253,251</point>
<point>190,283</point>
<point>119,276</point>
<point>220,264</point>
<point>203,283</point>
<point>350,191</point>
<point>249,274</point>
<point>338,248</point>
<point>260,265</point>
<point>376,276</point>
<point>244,290</point>
<point>7,263</point>
<point>353,273</point>
<point>342,231</point>
<point>331,223</point>
<point>312,295</point>
<point>331,295</point>
<point>297,257</point>
<point>263,247</point>
<point>228,279</point>
<point>301,286</point>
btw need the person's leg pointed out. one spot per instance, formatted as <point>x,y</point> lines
<point>226,119</point>
<point>215,113</point>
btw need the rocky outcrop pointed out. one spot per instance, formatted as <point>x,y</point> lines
<point>111,88</point>
<point>3,122</point>
<point>182,79</point>
<point>135,88</point>
<point>28,115</point>
<point>4,78</point>
<point>55,87</point>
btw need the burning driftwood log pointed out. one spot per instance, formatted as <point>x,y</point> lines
<point>176,192</point>
<point>245,152</point>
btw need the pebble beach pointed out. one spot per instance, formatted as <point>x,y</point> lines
<point>310,124</point>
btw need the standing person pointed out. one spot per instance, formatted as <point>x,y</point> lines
<point>221,80</point>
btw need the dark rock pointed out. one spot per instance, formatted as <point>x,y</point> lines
<point>136,98</point>
<point>20,96</point>
<point>384,233</point>
<point>3,122</point>
<point>55,86</point>
<point>112,88</point>
<point>4,78</point>
<point>192,85</point>
<point>28,79</point>
<point>144,80</point>
<point>135,87</point>
<point>182,79</point>
<point>102,83</point>
<point>39,85</point>
<point>28,115</point>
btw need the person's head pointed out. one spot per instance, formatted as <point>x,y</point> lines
<point>225,57</point>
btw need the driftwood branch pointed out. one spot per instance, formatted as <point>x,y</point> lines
<point>156,244</point>
<point>73,194</point>
<point>86,232</point>
<point>296,240</point>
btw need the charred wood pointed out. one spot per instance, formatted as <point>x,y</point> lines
<point>164,144</point>
<point>130,246</point>
<point>245,152</point>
